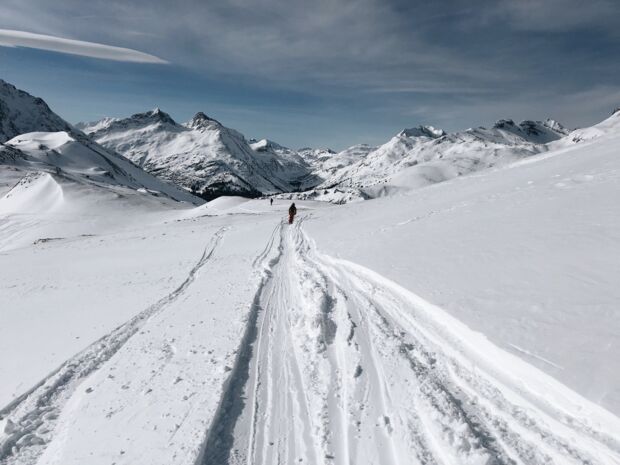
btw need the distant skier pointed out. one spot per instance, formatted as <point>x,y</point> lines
<point>292,211</point>
<point>271,202</point>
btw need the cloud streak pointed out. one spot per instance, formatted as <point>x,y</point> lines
<point>13,38</point>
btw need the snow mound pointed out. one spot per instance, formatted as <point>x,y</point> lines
<point>35,193</point>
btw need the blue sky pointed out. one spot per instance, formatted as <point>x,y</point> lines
<point>324,74</point>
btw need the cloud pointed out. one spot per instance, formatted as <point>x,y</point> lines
<point>12,38</point>
<point>559,15</point>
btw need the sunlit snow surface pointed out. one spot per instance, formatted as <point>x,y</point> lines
<point>473,321</point>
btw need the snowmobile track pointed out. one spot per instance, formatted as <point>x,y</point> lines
<point>31,417</point>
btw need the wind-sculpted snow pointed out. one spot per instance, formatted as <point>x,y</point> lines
<point>35,193</point>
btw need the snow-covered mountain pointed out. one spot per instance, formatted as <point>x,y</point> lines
<point>35,139</point>
<point>202,155</point>
<point>425,155</point>
<point>20,112</point>
<point>286,162</point>
<point>212,160</point>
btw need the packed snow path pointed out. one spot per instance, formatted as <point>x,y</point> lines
<point>334,365</point>
<point>339,366</point>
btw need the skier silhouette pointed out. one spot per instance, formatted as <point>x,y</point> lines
<point>292,211</point>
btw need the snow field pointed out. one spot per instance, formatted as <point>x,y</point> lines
<point>248,341</point>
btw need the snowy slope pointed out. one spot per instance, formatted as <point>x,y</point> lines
<point>77,159</point>
<point>474,321</point>
<point>63,150</point>
<point>608,127</point>
<point>525,254</point>
<point>201,155</point>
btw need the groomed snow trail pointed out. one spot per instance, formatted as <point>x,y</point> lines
<point>340,366</point>
<point>31,418</point>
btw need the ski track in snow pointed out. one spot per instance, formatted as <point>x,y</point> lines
<point>30,419</point>
<point>339,366</point>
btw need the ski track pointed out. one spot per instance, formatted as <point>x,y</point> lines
<point>338,367</point>
<point>31,418</point>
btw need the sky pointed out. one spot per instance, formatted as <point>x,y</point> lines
<point>327,73</point>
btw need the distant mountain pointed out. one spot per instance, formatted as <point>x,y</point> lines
<point>538,132</point>
<point>424,155</point>
<point>286,163</point>
<point>203,155</point>
<point>34,138</point>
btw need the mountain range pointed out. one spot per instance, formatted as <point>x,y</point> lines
<point>204,158</point>
<point>202,155</point>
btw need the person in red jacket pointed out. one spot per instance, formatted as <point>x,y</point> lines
<point>292,211</point>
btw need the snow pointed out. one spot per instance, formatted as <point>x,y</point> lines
<point>453,319</point>
<point>201,155</point>
<point>20,112</point>
<point>525,254</point>
<point>34,138</point>
<point>470,321</point>
<point>211,159</point>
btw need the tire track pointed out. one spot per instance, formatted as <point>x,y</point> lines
<point>31,418</point>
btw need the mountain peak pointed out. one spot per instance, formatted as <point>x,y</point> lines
<point>21,113</point>
<point>539,132</point>
<point>155,114</point>
<point>423,131</point>
<point>504,124</point>
<point>264,145</point>
<point>201,120</point>
<point>555,126</point>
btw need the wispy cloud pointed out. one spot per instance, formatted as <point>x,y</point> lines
<point>558,15</point>
<point>12,38</point>
<point>424,89</point>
